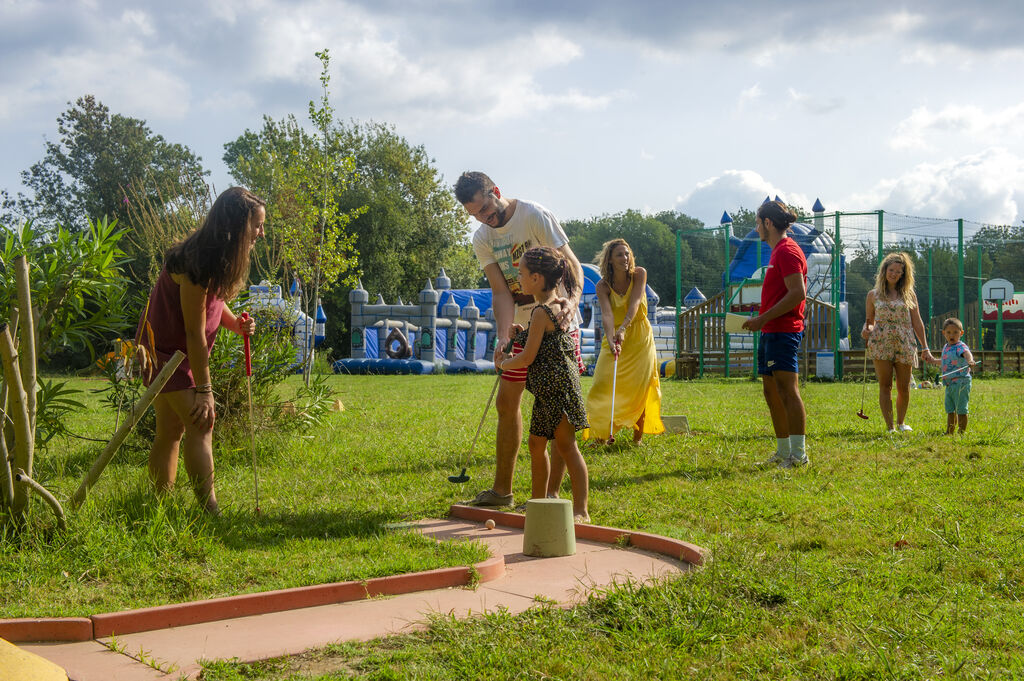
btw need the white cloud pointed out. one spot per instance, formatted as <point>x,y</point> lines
<point>750,96</point>
<point>922,126</point>
<point>128,80</point>
<point>814,104</point>
<point>985,187</point>
<point>732,189</point>
<point>138,21</point>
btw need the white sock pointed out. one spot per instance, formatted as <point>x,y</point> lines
<point>797,446</point>
<point>783,447</point>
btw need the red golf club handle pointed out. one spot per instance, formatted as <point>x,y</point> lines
<point>248,352</point>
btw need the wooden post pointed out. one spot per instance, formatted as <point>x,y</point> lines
<point>18,412</point>
<point>119,437</point>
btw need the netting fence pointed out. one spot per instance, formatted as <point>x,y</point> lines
<point>952,259</point>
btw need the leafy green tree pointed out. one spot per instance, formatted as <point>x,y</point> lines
<point>652,242</point>
<point>97,155</point>
<point>412,226</point>
<point>78,290</point>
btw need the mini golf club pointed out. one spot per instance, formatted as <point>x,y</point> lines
<point>462,477</point>
<point>252,425</point>
<point>954,371</point>
<point>611,424</point>
<point>864,387</point>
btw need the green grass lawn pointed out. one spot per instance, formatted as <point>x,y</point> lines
<point>889,557</point>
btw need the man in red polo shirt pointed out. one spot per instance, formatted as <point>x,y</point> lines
<point>781,323</point>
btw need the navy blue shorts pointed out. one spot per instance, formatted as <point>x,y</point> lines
<point>778,351</point>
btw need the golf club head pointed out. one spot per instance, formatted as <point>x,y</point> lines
<point>862,415</point>
<point>461,477</point>
<point>611,440</point>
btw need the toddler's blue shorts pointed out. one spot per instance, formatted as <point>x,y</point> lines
<point>958,394</point>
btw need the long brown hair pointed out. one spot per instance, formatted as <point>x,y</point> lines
<point>905,286</point>
<point>604,261</point>
<point>216,256</point>
<point>551,265</point>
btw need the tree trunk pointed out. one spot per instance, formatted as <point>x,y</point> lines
<point>44,493</point>
<point>18,413</point>
<point>7,493</point>
<point>27,348</point>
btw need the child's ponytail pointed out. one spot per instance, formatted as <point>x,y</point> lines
<point>568,277</point>
<point>551,265</point>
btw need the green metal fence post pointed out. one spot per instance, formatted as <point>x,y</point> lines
<point>960,267</point>
<point>881,236</point>
<point>931,303</point>
<point>981,303</point>
<point>837,254</point>
<point>700,346</point>
<point>679,292</point>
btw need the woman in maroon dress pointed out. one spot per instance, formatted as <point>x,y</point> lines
<point>186,308</point>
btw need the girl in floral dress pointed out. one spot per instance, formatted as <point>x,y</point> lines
<point>893,319</point>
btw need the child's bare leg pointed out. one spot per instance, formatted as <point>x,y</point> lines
<point>950,423</point>
<point>961,420</point>
<point>539,466</point>
<point>565,440</point>
<point>638,429</point>
<point>557,472</point>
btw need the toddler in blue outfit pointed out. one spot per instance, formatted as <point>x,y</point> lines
<point>956,362</point>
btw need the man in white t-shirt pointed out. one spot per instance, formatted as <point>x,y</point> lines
<point>509,228</point>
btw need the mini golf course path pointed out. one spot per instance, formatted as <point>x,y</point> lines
<point>260,626</point>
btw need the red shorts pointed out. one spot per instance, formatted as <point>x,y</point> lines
<point>519,375</point>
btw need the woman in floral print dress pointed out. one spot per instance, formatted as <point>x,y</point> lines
<point>893,318</point>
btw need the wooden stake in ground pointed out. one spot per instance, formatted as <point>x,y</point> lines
<point>119,437</point>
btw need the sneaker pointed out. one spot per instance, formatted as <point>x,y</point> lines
<point>521,508</point>
<point>775,459</point>
<point>581,519</point>
<point>491,498</point>
<point>904,428</point>
<point>791,462</point>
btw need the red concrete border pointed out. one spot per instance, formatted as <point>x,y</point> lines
<point>211,610</point>
<point>46,629</point>
<point>195,612</point>
<point>676,548</point>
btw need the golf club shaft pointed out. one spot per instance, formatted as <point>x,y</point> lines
<point>490,399</point>
<point>954,371</point>
<point>611,420</point>
<point>864,387</point>
<point>252,440</point>
<point>252,421</point>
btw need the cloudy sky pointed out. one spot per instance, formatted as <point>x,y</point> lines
<point>587,106</point>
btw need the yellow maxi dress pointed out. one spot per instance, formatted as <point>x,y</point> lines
<point>637,388</point>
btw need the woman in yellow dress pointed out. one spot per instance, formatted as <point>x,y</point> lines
<point>622,293</point>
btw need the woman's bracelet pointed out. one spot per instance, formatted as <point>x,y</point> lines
<point>204,388</point>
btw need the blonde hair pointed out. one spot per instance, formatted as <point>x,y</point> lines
<point>604,259</point>
<point>905,286</point>
<point>953,321</point>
